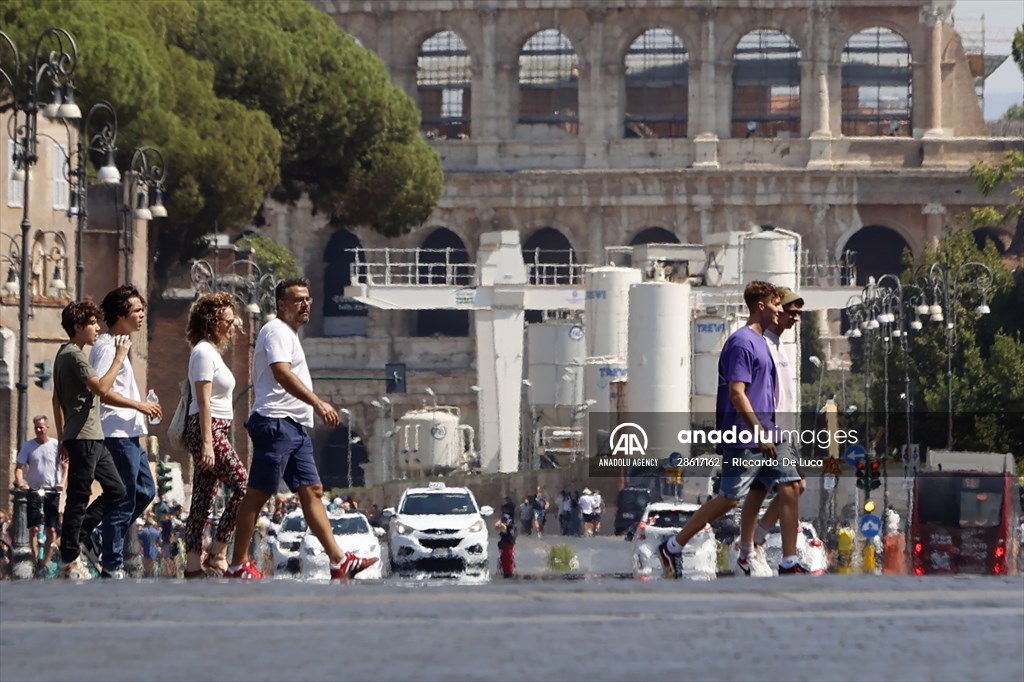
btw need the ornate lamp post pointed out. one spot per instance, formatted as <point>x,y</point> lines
<point>146,175</point>
<point>947,288</point>
<point>244,279</point>
<point>103,142</point>
<point>20,89</point>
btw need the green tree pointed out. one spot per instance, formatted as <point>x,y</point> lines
<point>987,356</point>
<point>247,98</point>
<point>271,257</point>
<point>1015,112</point>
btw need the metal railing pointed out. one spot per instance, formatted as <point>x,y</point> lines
<point>447,267</point>
<point>825,270</point>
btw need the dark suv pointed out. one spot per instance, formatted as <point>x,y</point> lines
<point>630,507</point>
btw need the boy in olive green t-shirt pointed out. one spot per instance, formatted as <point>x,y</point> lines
<point>76,416</point>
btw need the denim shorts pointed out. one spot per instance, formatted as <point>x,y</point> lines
<point>738,476</point>
<point>281,449</point>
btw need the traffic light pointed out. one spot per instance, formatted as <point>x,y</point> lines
<point>163,478</point>
<point>44,375</point>
<point>394,375</point>
<point>876,474</point>
<point>863,475</point>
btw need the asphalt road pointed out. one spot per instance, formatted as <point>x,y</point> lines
<point>793,628</point>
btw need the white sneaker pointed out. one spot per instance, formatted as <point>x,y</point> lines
<point>759,566</point>
<point>73,571</point>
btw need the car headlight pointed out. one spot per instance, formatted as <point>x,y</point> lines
<point>477,527</point>
<point>314,551</point>
<point>403,529</point>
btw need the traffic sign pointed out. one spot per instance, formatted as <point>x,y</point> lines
<point>854,454</point>
<point>870,525</point>
<point>831,466</point>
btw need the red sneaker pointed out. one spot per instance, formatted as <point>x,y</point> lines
<point>350,565</point>
<point>246,571</point>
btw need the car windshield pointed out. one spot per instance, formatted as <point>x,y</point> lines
<point>965,501</point>
<point>633,499</point>
<point>668,518</point>
<point>293,524</point>
<point>438,503</point>
<point>351,525</point>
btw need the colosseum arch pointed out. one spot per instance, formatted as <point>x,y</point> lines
<point>657,74</point>
<point>443,86</point>
<point>878,250</point>
<point>549,81</point>
<point>442,256</point>
<point>342,316</point>
<point>654,235</point>
<point>548,255</point>
<point>766,85</point>
<point>877,84</point>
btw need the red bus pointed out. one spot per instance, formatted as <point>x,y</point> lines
<point>966,522</point>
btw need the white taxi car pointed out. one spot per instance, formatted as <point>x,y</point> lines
<point>438,530</point>
<point>660,521</point>
<point>284,545</point>
<point>352,533</point>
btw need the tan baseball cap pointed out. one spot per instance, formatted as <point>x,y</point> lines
<point>788,296</point>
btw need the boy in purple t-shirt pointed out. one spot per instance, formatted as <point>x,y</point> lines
<point>745,420</point>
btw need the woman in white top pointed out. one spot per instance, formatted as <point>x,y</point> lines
<point>211,323</point>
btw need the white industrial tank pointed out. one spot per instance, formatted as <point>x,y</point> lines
<point>555,352</point>
<point>601,381</point>
<point>771,256</point>
<point>709,335</point>
<point>607,310</point>
<point>659,347</point>
<point>429,440</point>
<point>659,362</point>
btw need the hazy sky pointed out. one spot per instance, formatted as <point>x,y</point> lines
<point>1002,17</point>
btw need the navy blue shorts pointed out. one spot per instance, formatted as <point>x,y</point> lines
<point>281,449</point>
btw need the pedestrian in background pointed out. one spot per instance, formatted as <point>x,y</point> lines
<point>540,510</point>
<point>149,542</point>
<point>506,527</point>
<point>211,324</point>
<point>77,392</point>
<point>41,469</point>
<point>123,415</point>
<point>526,515</point>
<point>282,415</point>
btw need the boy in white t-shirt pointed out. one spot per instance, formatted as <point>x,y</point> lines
<point>123,415</point>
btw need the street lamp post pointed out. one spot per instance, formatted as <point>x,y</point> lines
<point>816,361</point>
<point>56,68</point>
<point>937,282</point>
<point>146,175</point>
<point>103,142</point>
<point>252,289</point>
<point>348,446</point>
<point>387,412</point>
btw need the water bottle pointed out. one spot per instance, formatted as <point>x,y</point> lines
<point>152,398</point>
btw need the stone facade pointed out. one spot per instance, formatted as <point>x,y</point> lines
<point>597,187</point>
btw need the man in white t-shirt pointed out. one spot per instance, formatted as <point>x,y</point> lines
<point>586,503</point>
<point>752,559</point>
<point>282,415</point>
<point>123,415</point>
<point>41,468</point>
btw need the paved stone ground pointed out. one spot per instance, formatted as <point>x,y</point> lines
<point>800,628</point>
